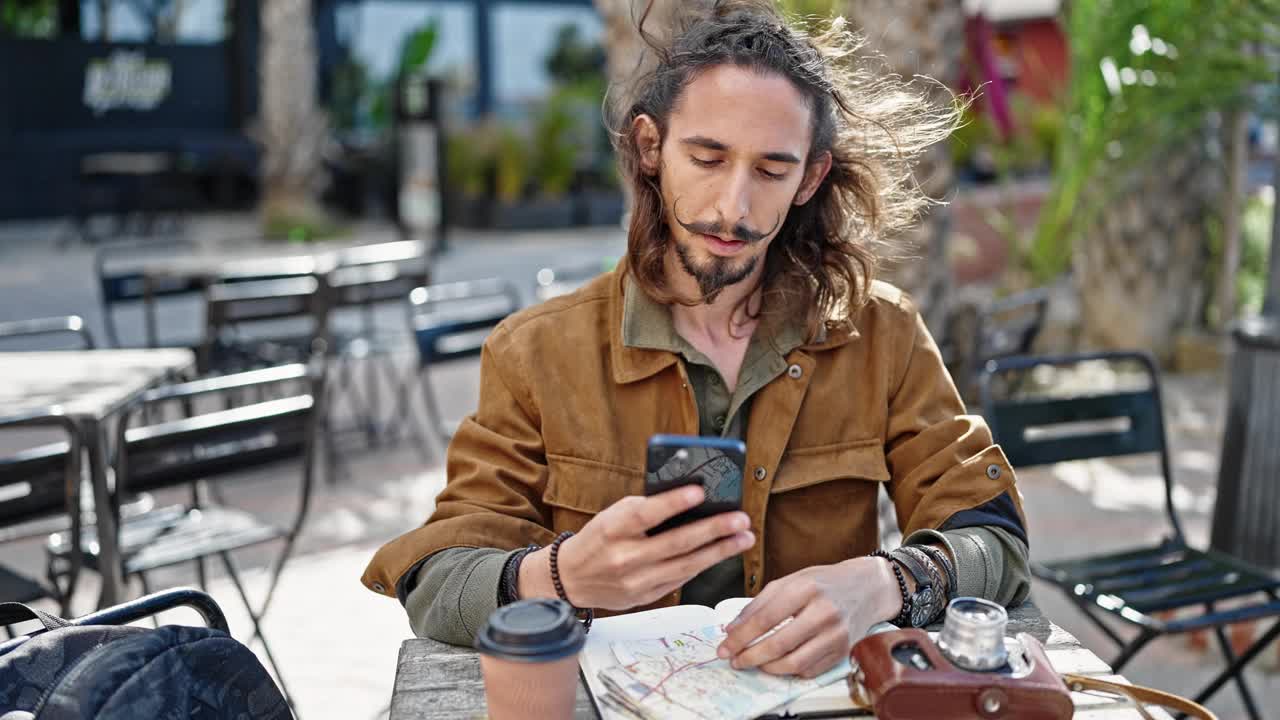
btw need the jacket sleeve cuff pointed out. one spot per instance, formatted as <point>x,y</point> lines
<point>990,563</point>
<point>456,591</point>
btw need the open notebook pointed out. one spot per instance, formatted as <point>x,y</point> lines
<point>662,664</point>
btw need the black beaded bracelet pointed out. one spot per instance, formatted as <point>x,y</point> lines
<point>555,580</point>
<point>904,617</point>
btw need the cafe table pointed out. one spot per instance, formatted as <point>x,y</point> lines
<point>435,681</point>
<point>90,387</point>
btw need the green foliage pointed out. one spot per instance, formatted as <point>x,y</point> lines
<point>1255,237</point>
<point>554,152</point>
<point>573,63</point>
<point>469,158</point>
<point>29,18</point>
<point>416,49</point>
<point>511,165</point>
<point>1145,75</point>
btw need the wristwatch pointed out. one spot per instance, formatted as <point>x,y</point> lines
<point>923,599</point>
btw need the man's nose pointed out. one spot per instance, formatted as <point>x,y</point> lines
<point>734,200</point>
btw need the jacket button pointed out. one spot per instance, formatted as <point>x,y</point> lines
<point>719,422</point>
<point>993,472</point>
<point>379,587</point>
<point>795,371</point>
<point>760,472</point>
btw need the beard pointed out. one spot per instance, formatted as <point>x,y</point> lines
<point>715,273</point>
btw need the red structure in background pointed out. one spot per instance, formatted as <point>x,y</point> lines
<point>1016,47</point>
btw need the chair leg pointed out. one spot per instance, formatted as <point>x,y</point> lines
<point>255,618</point>
<point>1088,613</point>
<point>1229,655</point>
<point>434,416</point>
<point>1238,666</point>
<point>1128,651</point>
<point>404,411</point>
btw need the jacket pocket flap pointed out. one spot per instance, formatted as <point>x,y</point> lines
<point>861,459</point>
<point>588,486</point>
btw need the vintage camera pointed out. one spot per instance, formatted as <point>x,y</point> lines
<point>972,672</point>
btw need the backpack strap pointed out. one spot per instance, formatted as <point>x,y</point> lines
<point>12,612</point>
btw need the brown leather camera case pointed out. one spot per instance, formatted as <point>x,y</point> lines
<point>946,692</point>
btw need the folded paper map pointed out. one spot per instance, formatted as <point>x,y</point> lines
<point>632,673</point>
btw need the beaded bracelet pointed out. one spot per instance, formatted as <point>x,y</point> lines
<point>555,580</point>
<point>904,617</point>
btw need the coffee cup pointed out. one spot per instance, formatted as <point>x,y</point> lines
<point>529,659</point>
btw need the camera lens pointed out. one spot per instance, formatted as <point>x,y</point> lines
<point>972,634</point>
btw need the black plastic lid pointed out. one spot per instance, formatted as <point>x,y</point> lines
<point>531,631</point>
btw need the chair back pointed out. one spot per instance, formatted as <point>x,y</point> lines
<point>24,331</point>
<point>237,311</point>
<point>1037,426</point>
<point>1010,325</point>
<point>451,321</point>
<point>130,285</point>
<point>211,445</point>
<point>40,481</point>
<point>43,482</point>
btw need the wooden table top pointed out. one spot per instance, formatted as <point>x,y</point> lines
<point>438,681</point>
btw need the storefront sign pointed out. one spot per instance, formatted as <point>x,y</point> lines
<point>126,80</point>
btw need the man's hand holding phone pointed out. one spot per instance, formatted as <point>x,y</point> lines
<point>613,564</point>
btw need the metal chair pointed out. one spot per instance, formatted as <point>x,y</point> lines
<point>260,323</point>
<point>1139,585</point>
<point>1005,328</point>
<point>367,278</point>
<point>25,330</point>
<point>210,446</point>
<point>450,322</point>
<point>131,287</point>
<point>37,484</point>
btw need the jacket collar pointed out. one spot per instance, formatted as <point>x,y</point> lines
<point>642,342</point>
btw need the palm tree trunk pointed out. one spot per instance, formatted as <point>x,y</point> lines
<point>293,126</point>
<point>922,37</point>
<point>1140,267</point>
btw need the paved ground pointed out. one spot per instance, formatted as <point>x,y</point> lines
<point>337,642</point>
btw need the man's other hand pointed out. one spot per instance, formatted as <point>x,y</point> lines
<point>613,565</point>
<point>830,607</point>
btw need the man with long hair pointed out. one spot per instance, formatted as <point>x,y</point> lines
<point>767,168</point>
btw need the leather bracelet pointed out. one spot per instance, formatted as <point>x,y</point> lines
<point>509,584</point>
<point>555,580</point>
<point>948,568</point>
<point>904,617</point>
<point>916,558</point>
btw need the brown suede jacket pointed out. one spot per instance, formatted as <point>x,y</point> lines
<point>566,410</point>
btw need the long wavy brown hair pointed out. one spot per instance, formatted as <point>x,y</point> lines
<point>875,125</point>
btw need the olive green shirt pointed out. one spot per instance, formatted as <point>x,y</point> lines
<point>456,589</point>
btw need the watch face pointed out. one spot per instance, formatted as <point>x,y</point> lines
<point>921,605</point>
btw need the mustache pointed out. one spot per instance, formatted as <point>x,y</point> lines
<point>740,231</point>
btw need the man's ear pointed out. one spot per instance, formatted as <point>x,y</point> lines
<point>648,142</point>
<point>814,174</point>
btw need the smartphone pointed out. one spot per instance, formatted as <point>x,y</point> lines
<point>714,463</point>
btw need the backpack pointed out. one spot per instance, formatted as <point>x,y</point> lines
<point>73,670</point>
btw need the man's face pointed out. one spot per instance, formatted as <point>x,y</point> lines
<point>731,166</point>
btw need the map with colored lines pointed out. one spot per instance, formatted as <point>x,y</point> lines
<point>680,677</point>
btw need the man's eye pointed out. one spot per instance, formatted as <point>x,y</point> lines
<point>771,175</point>
<point>703,163</point>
